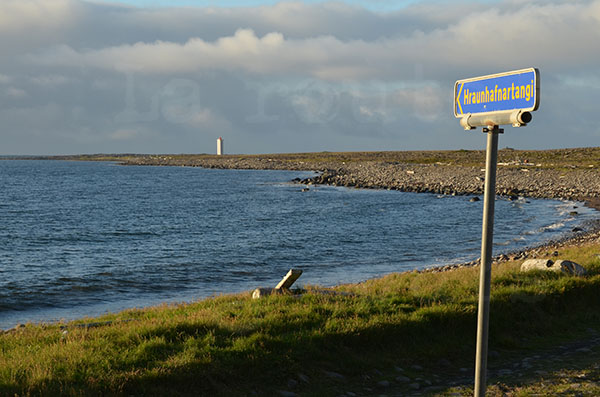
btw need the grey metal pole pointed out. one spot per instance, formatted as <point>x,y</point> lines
<point>487,236</point>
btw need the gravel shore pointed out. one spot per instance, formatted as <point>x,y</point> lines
<point>579,181</point>
<point>515,178</point>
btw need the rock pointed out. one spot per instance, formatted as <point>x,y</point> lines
<point>536,264</point>
<point>402,379</point>
<point>474,199</point>
<point>444,363</point>
<point>383,383</point>
<point>417,367</point>
<point>292,383</point>
<point>560,265</point>
<point>415,386</point>
<point>569,267</point>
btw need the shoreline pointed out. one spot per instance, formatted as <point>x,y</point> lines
<point>567,174</point>
<point>571,174</point>
<point>590,233</point>
<point>370,172</point>
<point>559,174</point>
<point>544,338</point>
<point>515,178</point>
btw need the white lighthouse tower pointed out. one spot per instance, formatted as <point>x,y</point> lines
<point>219,146</point>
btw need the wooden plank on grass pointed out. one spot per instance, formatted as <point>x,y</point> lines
<point>289,279</point>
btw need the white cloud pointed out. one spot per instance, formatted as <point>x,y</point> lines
<point>20,15</point>
<point>496,39</point>
<point>325,70</point>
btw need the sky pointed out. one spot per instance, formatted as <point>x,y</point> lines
<point>285,76</point>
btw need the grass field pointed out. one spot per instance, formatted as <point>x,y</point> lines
<point>403,333</point>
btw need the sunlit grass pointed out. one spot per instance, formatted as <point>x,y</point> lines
<point>233,344</point>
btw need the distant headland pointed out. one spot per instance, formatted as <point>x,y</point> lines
<point>572,174</point>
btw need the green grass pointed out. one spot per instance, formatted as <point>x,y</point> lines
<point>233,345</point>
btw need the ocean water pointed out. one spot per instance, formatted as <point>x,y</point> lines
<point>86,238</point>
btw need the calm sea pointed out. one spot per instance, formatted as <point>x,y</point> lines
<point>86,238</point>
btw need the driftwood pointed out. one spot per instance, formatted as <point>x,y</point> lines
<point>282,288</point>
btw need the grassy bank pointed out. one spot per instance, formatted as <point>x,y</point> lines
<point>403,333</point>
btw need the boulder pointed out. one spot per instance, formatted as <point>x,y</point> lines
<point>560,265</point>
<point>569,267</point>
<point>536,264</point>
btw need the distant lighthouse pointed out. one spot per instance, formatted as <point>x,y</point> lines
<point>219,146</point>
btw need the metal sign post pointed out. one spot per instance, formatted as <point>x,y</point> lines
<point>485,274</point>
<point>490,101</point>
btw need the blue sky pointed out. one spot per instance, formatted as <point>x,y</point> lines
<point>104,77</point>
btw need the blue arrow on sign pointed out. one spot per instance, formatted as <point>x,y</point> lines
<point>509,91</point>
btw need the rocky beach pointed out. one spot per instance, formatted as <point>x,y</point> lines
<point>572,174</point>
<point>564,174</point>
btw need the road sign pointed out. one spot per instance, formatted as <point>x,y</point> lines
<point>491,101</point>
<point>502,92</point>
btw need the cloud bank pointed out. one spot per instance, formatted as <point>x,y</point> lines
<point>89,77</point>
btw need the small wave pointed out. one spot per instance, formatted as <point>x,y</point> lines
<point>566,207</point>
<point>552,227</point>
